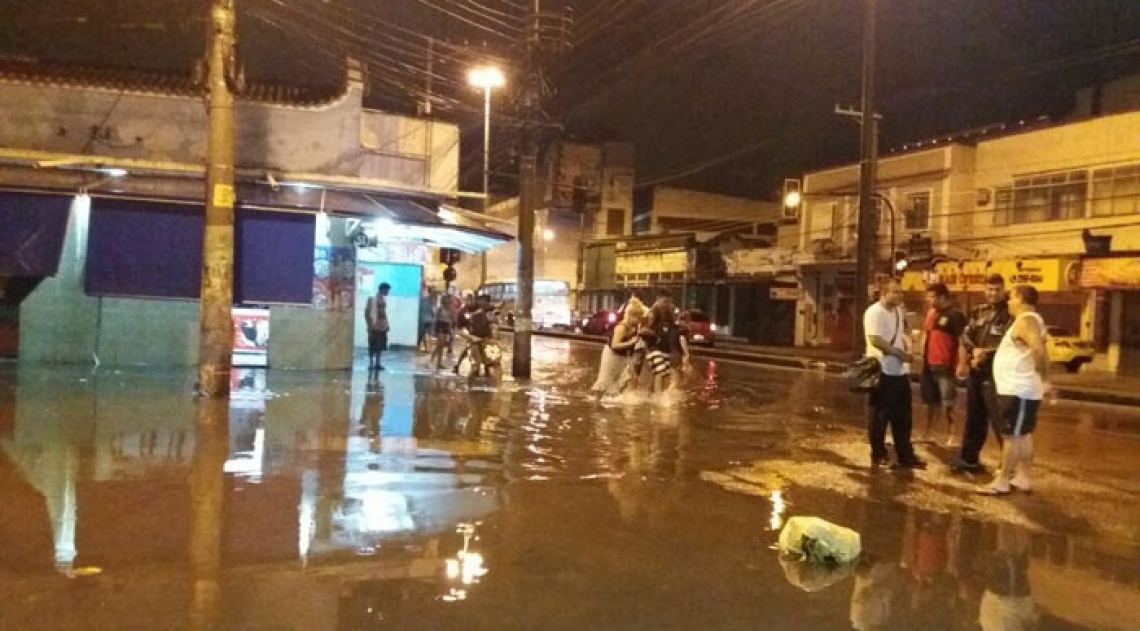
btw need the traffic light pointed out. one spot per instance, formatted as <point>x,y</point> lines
<point>449,256</point>
<point>793,197</point>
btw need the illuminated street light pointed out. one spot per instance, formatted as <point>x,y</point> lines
<point>548,234</point>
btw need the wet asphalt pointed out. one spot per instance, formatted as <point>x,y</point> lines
<point>419,501</point>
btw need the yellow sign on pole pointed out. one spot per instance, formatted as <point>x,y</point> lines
<point>224,195</point>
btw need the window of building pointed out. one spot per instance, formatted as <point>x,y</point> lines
<point>917,211</point>
<point>1116,191</point>
<point>615,221</point>
<point>1042,198</point>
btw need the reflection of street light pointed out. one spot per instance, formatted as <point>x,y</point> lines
<point>548,235</point>
<point>466,567</point>
<point>795,198</point>
<point>488,78</point>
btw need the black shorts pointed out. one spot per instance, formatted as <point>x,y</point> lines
<point>939,386</point>
<point>442,327</point>
<point>1018,417</point>
<point>377,341</point>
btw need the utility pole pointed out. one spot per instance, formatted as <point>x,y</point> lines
<point>528,190</point>
<point>215,350</point>
<point>867,237</point>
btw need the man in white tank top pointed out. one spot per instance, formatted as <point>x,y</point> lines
<point>1021,372</point>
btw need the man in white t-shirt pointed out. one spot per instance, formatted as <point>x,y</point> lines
<point>884,325</point>
<point>1021,373</point>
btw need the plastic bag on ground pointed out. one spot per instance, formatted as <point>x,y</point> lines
<point>819,541</point>
<point>813,577</point>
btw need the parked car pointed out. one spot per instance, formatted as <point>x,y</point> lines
<point>600,323</point>
<point>1068,349</point>
<point>702,330</point>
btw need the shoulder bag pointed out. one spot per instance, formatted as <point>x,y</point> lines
<point>864,375</point>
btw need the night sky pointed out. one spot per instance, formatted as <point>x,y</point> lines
<point>738,94</point>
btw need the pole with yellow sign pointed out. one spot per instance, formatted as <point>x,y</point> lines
<point>215,345</point>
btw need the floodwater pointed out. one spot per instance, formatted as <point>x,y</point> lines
<point>320,501</point>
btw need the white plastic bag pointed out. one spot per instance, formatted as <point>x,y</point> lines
<point>819,541</point>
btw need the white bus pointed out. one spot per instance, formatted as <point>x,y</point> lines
<point>551,302</point>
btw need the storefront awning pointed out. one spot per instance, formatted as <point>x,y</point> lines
<point>438,226</point>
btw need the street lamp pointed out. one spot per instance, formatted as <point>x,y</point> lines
<point>488,78</point>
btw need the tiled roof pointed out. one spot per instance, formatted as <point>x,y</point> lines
<point>166,83</point>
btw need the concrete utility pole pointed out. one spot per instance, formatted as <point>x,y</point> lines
<point>867,237</point>
<point>215,350</point>
<point>528,192</point>
<point>208,510</point>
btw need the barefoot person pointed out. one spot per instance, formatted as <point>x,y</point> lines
<point>1021,372</point>
<point>441,328</point>
<point>942,332</point>
<point>376,317</point>
<point>614,370</point>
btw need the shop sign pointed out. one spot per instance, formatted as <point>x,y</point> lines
<point>251,337</point>
<point>675,242</point>
<point>757,261</point>
<point>784,293</point>
<point>1042,274</point>
<point>1111,273</point>
<point>652,262</point>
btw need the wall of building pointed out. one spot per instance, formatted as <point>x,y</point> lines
<point>1085,145</point>
<point>678,203</point>
<point>336,138</point>
<point>60,323</point>
<point>830,207</point>
<point>617,189</point>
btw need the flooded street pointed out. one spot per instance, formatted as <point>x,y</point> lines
<point>420,503</point>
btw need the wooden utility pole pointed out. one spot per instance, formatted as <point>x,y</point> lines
<point>867,233</point>
<point>215,350</point>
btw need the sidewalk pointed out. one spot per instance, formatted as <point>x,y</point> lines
<point>1091,387</point>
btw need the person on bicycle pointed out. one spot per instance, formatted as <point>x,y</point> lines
<point>479,331</point>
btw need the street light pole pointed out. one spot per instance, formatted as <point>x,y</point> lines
<point>486,174</point>
<point>486,147</point>
<point>866,242</point>
<point>488,78</point>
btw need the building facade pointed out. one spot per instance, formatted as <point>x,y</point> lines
<point>101,203</point>
<point>1037,205</point>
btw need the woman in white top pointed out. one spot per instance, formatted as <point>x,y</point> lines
<point>616,356</point>
<point>1021,370</point>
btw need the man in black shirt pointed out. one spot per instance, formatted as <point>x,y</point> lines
<point>478,328</point>
<point>988,324</point>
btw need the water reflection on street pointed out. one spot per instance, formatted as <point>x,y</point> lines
<point>325,501</point>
